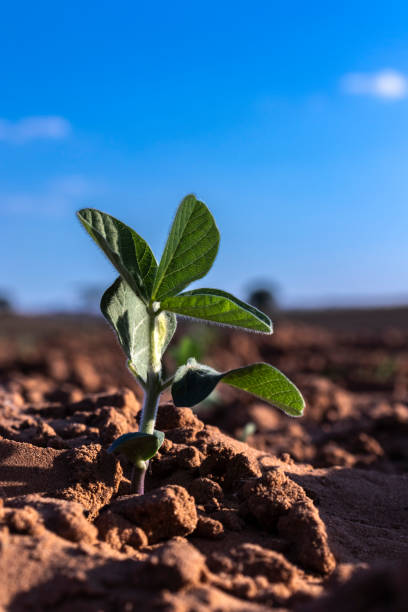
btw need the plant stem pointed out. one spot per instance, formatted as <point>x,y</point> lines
<point>137,478</point>
<point>150,405</point>
<point>153,389</point>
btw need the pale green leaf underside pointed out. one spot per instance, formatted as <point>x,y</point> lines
<point>219,307</point>
<point>129,317</point>
<point>127,251</point>
<point>194,382</point>
<point>190,249</point>
<point>138,446</point>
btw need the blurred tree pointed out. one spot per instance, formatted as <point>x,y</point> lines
<point>90,297</point>
<point>263,295</point>
<point>5,305</point>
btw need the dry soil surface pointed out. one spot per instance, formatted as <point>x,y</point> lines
<point>310,515</point>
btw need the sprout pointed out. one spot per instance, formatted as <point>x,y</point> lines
<point>142,304</point>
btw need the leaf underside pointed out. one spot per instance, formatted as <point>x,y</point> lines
<point>218,307</point>
<point>194,382</point>
<point>138,446</point>
<point>129,317</point>
<point>190,249</point>
<point>127,251</point>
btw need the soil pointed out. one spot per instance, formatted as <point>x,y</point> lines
<point>306,515</point>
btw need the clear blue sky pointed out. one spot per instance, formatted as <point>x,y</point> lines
<point>289,119</point>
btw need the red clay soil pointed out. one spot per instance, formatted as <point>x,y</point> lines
<point>309,516</point>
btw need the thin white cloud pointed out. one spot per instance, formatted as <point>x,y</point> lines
<point>387,84</point>
<point>28,129</point>
<point>57,197</point>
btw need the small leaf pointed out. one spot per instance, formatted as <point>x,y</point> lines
<point>194,382</point>
<point>166,324</point>
<point>190,249</point>
<point>219,307</point>
<point>127,251</point>
<point>129,317</point>
<point>138,446</point>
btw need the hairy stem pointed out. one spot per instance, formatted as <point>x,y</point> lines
<point>150,406</point>
<point>153,389</point>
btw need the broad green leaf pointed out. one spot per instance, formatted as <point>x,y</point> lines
<point>190,249</point>
<point>138,446</point>
<point>270,385</point>
<point>219,307</point>
<point>128,252</point>
<point>194,382</point>
<point>129,317</point>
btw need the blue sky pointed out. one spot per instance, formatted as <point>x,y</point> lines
<point>288,119</point>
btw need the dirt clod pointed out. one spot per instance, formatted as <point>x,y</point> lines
<point>64,518</point>
<point>172,566</point>
<point>163,513</point>
<point>280,504</point>
<point>118,532</point>
<point>208,527</point>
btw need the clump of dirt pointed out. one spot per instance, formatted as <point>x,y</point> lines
<point>66,519</point>
<point>172,566</point>
<point>281,506</point>
<point>86,474</point>
<point>163,513</point>
<point>120,533</point>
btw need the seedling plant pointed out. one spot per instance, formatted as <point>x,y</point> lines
<point>142,304</point>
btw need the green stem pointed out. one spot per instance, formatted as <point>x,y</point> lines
<point>153,389</point>
<point>150,406</point>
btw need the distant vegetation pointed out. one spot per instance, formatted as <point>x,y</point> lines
<point>6,306</point>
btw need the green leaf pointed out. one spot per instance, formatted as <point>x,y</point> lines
<point>270,385</point>
<point>219,307</point>
<point>193,382</point>
<point>128,252</point>
<point>190,249</point>
<point>129,317</point>
<point>138,446</point>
